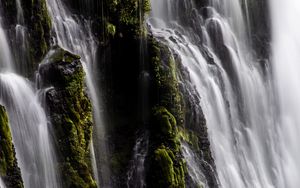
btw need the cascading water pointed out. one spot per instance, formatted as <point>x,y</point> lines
<point>136,173</point>
<point>2,185</point>
<point>28,123</point>
<point>192,161</point>
<point>236,97</point>
<point>286,48</point>
<point>30,132</point>
<point>20,44</point>
<point>6,59</point>
<point>75,35</point>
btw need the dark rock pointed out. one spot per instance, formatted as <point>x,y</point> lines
<point>70,113</point>
<point>9,170</point>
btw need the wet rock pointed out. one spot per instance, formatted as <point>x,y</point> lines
<point>9,170</point>
<point>70,112</point>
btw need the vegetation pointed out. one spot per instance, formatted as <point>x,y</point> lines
<point>71,116</point>
<point>9,169</point>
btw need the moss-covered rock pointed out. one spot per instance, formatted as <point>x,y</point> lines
<point>39,26</point>
<point>9,170</point>
<point>176,117</point>
<point>70,113</point>
<point>165,164</point>
<point>128,15</point>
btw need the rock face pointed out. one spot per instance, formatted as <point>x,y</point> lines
<point>9,170</point>
<point>165,164</point>
<point>176,118</point>
<point>70,113</point>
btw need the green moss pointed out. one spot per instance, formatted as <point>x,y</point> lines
<point>169,172</point>
<point>125,14</point>
<point>190,137</point>
<point>6,152</point>
<point>39,27</point>
<point>71,116</point>
<point>164,71</point>
<point>9,169</point>
<point>110,29</point>
<point>167,165</point>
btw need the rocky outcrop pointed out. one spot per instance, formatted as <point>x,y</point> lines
<point>9,170</point>
<point>70,112</point>
<point>165,164</point>
<point>176,118</point>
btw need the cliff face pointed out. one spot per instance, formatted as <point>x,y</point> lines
<point>126,53</point>
<point>70,114</point>
<point>9,170</point>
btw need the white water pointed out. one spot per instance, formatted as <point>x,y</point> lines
<point>5,55</point>
<point>2,185</point>
<point>76,36</point>
<point>28,123</point>
<point>30,132</point>
<point>193,165</point>
<point>236,98</point>
<point>286,48</point>
<point>136,172</point>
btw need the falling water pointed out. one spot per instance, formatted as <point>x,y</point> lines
<point>236,98</point>
<point>286,48</point>
<point>5,55</point>
<point>193,165</point>
<point>136,172</point>
<point>2,185</point>
<point>30,132</point>
<point>75,35</point>
<point>28,123</point>
<point>20,44</point>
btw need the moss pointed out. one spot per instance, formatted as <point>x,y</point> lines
<point>165,159</point>
<point>179,100</point>
<point>71,116</point>
<point>190,137</point>
<point>125,14</point>
<point>111,29</point>
<point>164,71</point>
<point>169,172</point>
<point>9,170</point>
<point>7,158</point>
<point>39,27</point>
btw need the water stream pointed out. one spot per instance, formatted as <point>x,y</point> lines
<point>2,185</point>
<point>236,97</point>
<point>136,173</point>
<point>75,34</point>
<point>286,47</point>
<point>28,122</point>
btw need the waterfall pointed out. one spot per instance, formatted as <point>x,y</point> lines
<point>193,165</point>
<point>136,172</point>
<point>20,44</point>
<point>28,122</point>
<point>30,132</point>
<point>2,185</point>
<point>75,35</point>
<point>286,47</point>
<point>236,93</point>
<point>5,55</point>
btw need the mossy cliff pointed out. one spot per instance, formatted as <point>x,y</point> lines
<point>176,118</point>
<point>39,27</point>
<point>165,164</point>
<point>120,69</point>
<point>70,113</point>
<point>9,170</point>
